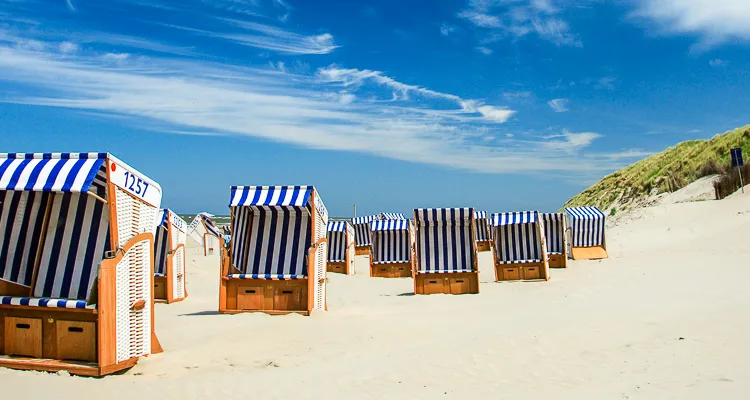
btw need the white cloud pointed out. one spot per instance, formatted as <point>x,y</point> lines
<point>558,105</point>
<point>484,50</point>
<point>199,96</point>
<point>68,47</point>
<point>518,18</point>
<point>401,91</point>
<point>718,63</point>
<point>273,38</point>
<point>70,5</point>
<point>446,29</point>
<point>115,56</point>
<point>481,20</point>
<point>571,142</point>
<point>715,21</point>
<point>607,82</point>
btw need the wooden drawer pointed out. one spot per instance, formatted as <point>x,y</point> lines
<point>287,299</point>
<point>557,261</point>
<point>433,285</point>
<point>76,340</point>
<point>401,271</point>
<point>160,288</point>
<point>510,273</point>
<point>459,285</point>
<point>532,272</point>
<point>250,297</point>
<point>23,337</point>
<point>337,267</point>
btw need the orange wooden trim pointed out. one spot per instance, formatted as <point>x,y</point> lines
<point>129,363</point>
<point>31,308</point>
<point>169,271</point>
<point>38,259</point>
<point>35,364</point>
<point>310,260</point>
<point>112,197</point>
<point>223,273</point>
<point>13,289</point>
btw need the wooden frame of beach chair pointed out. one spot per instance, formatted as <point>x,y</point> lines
<point>170,259</point>
<point>340,248</point>
<point>362,234</point>
<point>556,238</point>
<point>205,232</point>
<point>586,231</point>
<point>520,247</point>
<point>440,234</point>
<point>392,254</point>
<point>481,225</point>
<point>276,260</point>
<point>76,265</point>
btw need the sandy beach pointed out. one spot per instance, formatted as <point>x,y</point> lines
<point>663,317</point>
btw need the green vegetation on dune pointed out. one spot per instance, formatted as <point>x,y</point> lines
<point>667,171</point>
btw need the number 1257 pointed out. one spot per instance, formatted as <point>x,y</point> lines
<point>135,184</point>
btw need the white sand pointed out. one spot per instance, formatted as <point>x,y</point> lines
<point>606,329</point>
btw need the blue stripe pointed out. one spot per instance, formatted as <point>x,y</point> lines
<point>70,180</point>
<point>17,174</point>
<point>53,176</point>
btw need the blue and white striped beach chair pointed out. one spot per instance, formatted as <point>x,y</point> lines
<point>363,236</point>
<point>204,231</point>
<point>446,254</point>
<point>554,234</point>
<point>340,247</point>
<point>278,251</point>
<point>170,258</point>
<point>520,251</point>
<point>392,248</point>
<point>586,227</point>
<point>482,228</point>
<point>76,262</point>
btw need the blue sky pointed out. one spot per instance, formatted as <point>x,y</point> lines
<point>503,105</point>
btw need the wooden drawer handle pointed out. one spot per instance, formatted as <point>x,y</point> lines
<point>75,329</point>
<point>23,326</point>
<point>138,305</point>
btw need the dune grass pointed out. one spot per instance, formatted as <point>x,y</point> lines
<point>667,171</point>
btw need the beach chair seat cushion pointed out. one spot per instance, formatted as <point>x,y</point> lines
<point>45,302</point>
<point>280,277</point>
<point>519,262</point>
<point>447,271</point>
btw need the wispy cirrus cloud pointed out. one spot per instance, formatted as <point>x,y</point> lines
<point>268,37</point>
<point>332,108</point>
<point>559,105</point>
<point>402,91</point>
<point>519,18</point>
<point>713,21</point>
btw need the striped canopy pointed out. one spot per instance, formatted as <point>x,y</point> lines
<point>362,232</point>
<point>442,215</point>
<point>554,232</point>
<point>518,238</point>
<point>587,225</point>
<point>364,220</point>
<point>481,226</point>
<point>272,196</point>
<point>391,241</point>
<point>512,218</point>
<point>337,246</point>
<point>390,225</point>
<point>390,216</point>
<point>50,172</point>
<point>445,240</point>
<point>336,226</point>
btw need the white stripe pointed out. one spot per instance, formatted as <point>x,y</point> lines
<point>63,175</point>
<point>5,178</point>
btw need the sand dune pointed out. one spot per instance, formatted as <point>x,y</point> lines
<point>664,317</point>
